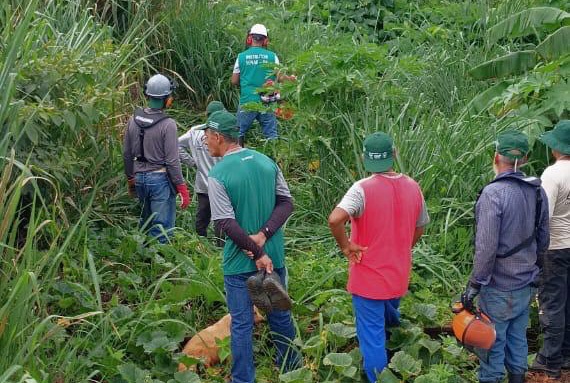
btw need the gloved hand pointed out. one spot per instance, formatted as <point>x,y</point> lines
<point>131,188</point>
<point>184,194</point>
<point>471,291</point>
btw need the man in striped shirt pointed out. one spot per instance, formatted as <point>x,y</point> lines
<point>511,218</point>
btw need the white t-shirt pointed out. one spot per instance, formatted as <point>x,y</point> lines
<point>556,184</point>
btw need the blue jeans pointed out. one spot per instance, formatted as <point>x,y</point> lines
<point>158,202</point>
<point>508,310</point>
<point>280,324</point>
<point>268,122</point>
<point>373,316</point>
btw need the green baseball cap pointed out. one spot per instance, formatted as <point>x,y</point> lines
<point>214,106</point>
<point>378,148</point>
<point>223,122</point>
<point>512,144</point>
<point>558,138</point>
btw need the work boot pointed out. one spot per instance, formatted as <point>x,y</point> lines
<point>277,295</point>
<point>516,378</point>
<point>543,367</point>
<point>257,293</point>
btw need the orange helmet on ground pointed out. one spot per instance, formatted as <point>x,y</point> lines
<point>473,330</point>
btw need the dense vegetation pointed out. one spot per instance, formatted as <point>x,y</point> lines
<point>81,296</point>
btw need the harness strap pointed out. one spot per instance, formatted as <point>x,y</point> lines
<point>529,240</point>
<point>145,121</point>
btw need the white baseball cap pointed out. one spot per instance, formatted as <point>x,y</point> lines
<point>258,29</point>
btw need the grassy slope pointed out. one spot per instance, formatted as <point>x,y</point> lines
<point>85,298</point>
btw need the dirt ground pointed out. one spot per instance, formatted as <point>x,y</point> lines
<point>536,377</point>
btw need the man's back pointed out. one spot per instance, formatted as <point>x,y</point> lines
<point>386,226</point>
<point>255,67</point>
<point>250,181</point>
<point>505,217</point>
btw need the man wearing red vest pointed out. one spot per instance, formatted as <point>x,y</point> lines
<point>387,214</point>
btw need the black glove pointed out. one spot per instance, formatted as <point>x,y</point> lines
<point>471,291</point>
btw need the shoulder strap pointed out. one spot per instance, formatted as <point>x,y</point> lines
<point>144,121</point>
<point>529,240</point>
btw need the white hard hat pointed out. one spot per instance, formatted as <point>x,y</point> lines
<point>258,29</point>
<point>158,86</point>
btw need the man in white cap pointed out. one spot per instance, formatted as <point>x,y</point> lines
<point>252,69</point>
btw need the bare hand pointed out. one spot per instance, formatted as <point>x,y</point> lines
<point>354,252</point>
<point>264,263</point>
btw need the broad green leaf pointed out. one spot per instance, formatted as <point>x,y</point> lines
<point>341,330</point>
<point>337,359</point>
<point>301,375</point>
<point>558,98</point>
<point>426,310</point>
<point>484,99</point>
<point>431,345</point>
<point>350,371</point>
<point>525,22</point>
<point>70,119</point>
<point>132,374</point>
<point>405,363</point>
<point>555,45</point>
<point>121,312</point>
<point>428,378</point>
<point>156,340</point>
<point>186,377</point>
<point>512,63</point>
<point>387,376</point>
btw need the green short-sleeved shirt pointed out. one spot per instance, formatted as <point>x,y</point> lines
<point>248,181</point>
<point>254,68</point>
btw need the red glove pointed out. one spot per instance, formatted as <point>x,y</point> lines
<point>131,187</point>
<point>184,194</point>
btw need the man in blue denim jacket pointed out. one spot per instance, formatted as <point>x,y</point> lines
<point>511,218</point>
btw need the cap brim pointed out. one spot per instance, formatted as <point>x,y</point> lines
<point>378,166</point>
<point>549,140</point>
<point>202,127</point>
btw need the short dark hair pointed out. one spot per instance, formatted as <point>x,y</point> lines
<point>258,38</point>
<point>229,139</point>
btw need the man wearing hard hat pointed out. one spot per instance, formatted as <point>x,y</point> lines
<point>253,67</point>
<point>150,155</point>
<point>511,217</point>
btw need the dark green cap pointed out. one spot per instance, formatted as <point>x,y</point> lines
<point>214,106</point>
<point>558,138</point>
<point>512,144</point>
<point>223,122</point>
<point>378,148</point>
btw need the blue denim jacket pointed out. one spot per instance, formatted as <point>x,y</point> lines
<point>504,217</point>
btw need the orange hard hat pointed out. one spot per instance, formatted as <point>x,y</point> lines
<point>473,329</point>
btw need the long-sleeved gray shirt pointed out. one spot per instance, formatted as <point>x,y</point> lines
<point>505,217</point>
<point>160,148</point>
<point>193,152</point>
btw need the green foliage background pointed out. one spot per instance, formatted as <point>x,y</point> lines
<point>84,299</point>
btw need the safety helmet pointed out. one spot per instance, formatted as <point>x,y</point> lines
<point>159,86</point>
<point>258,29</point>
<point>473,329</point>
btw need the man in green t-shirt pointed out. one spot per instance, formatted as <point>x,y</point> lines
<point>250,201</point>
<point>253,67</point>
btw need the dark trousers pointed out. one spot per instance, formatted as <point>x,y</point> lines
<point>554,305</point>
<point>203,216</point>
